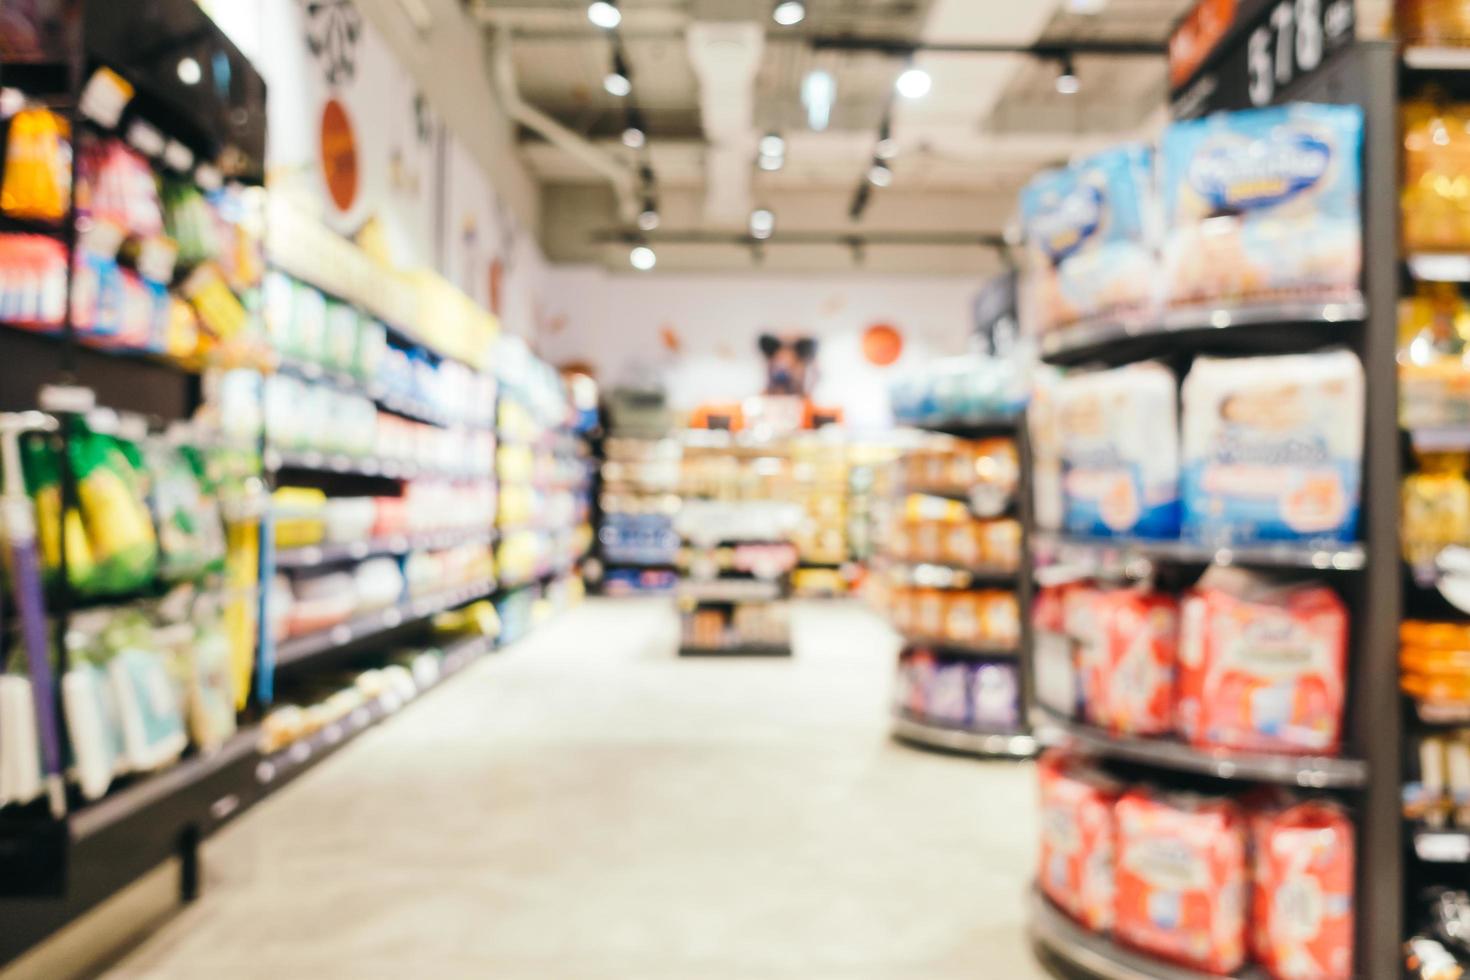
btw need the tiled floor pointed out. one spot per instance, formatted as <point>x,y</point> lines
<point>586,805</point>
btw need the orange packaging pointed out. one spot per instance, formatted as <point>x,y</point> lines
<point>1263,669</point>
<point>999,617</point>
<point>1077,839</point>
<point>1302,896</point>
<point>1142,642</point>
<point>1181,879</point>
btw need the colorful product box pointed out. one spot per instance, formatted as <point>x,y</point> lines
<point>1263,205</point>
<point>1077,839</point>
<point>1273,448</point>
<point>1262,668</point>
<point>1091,232</point>
<point>1181,879</point>
<point>1118,443</point>
<point>1302,895</point>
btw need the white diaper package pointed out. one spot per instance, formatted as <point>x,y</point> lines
<point>1273,448</point>
<point>20,750</point>
<point>1119,448</point>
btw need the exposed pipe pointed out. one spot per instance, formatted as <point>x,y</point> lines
<point>620,176</point>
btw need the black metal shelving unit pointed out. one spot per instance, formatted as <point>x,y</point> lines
<point>1368,574</point>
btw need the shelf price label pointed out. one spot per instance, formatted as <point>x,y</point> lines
<point>1257,50</point>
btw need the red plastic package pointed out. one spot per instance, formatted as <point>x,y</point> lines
<point>1142,643</point>
<point>1263,669</point>
<point>1082,612</point>
<point>1181,879</point>
<point>1302,895</point>
<point>1077,839</point>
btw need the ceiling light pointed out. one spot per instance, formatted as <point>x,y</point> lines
<point>642,258</point>
<point>1067,81</point>
<point>879,175</point>
<point>818,92</point>
<point>762,223</point>
<point>1086,6</point>
<point>772,145</point>
<point>789,12</point>
<point>769,164</point>
<point>617,84</point>
<point>634,138</point>
<point>914,83</point>
<point>605,14</point>
<point>648,217</point>
<point>189,71</point>
<point>887,148</point>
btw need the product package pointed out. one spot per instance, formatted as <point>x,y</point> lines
<point>1435,203</point>
<point>1302,899</point>
<point>1273,448</point>
<point>1077,839</point>
<point>37,182</point>
<point>1263,205</point>
<point>1119,452</point>
<point>94,729</point>
<point>1130,686</point>
<point>1182,879</point>
<point>1262,666</point>
<point>20,750</point>
<point>1054,667</point>
<point>1091,231</point>
<point>1436,507</point>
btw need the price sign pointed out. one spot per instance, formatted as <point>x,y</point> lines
<point>1267,47</point>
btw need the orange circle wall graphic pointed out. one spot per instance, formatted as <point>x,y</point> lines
<point>882,344</point>
<point>339,155</point>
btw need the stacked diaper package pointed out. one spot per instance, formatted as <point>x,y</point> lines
<point>1210,883</point>
<point>1235,208</point>
<point>1267,449</point>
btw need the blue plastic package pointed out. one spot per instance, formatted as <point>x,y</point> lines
<point>1092,235</point>
<point>1263,205</point>
<point>1118,445</point>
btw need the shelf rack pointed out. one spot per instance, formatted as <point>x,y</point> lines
<point>1367,574</point>
<point>963,741</point>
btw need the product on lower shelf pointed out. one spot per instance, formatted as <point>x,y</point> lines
<point>1302,896</point>
<point>989,617</point>
<point>1181,879</point>
<point>959,693</point>
<point>1434,660</point>
<point>1078,839</point>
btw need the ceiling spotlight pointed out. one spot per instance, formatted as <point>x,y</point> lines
<point>887,148</point>
<point>789,12</point>
<point>762,223</point>
<point>634,138</point>
<point>879,175</point>
<point>1087,7</point>
<point>1067,81</point>
<point>617,84</point>
<point>642,258</point>
<point>772,145</point>
<point>769,164</point>
<point>648,217</point>
<point>818,93</point>
<point>605,14</point>
<point>189,71</point>
<point>914,83</point>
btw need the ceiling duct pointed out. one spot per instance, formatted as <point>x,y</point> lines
<point>726,56</point>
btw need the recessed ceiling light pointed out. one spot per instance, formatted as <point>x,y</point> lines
<point>605,14</point>
<point>1067,81</point>
<point>648,218</point>
<point>1086,6</point>
<point>634,138</point>
<point>769,164</point>
<point>887,148</point>
<point>189,71</point>
<point>617,84</point>
<point>772,145</point>
<point>789,12</point>
<point>642,258</point>
<point>879,175</point>
<point>914,83</point>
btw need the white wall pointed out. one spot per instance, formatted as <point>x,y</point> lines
<point>616,323</point>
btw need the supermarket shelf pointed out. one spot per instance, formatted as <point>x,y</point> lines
<point>1108,552</point>
<point>300,648</point>
<point>945,576</point>
<point>388,401</point>
<point>943,645</point>
<point>1442,846</point>
<point>980,428</point>
<point>277,459</point>
<point>993,745</point>
<point>729,590</point>
<point>1314,772</point>
<point>326,554</point>
<point>1424,57</point>
<point>1146,334</point>
<point>737,650</point>
<point>1099,956</point>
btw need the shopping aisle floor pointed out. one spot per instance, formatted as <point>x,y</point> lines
<point>586,805</point>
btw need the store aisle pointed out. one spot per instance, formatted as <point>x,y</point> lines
<point>586,805</point>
